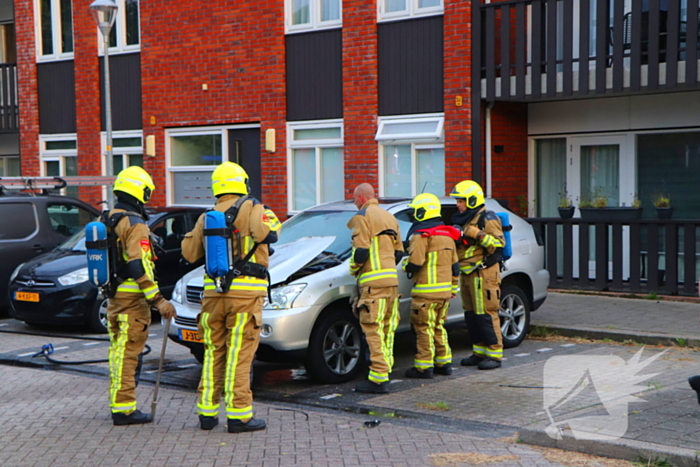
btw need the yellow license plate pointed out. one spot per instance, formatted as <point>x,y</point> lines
<point>27,296</point>
<point>190,336</point>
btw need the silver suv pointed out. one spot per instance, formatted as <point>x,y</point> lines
<point>309,318</point>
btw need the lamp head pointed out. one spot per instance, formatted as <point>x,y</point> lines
<point>105,13</point>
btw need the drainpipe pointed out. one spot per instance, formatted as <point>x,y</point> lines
<point>489,106</point>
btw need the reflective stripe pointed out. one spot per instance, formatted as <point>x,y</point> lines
<point>431,330</point>
<point>442,334</point>
<point>240,283</point>
<point>234,350</point>
<point>455,288</point>
<point>393,324</point>
<point>206,401</point>
<point>117,351</point>
<point>380,274</point>
<point>239,414</point>
<point>479,350</point>
<point>495,353</point>
<point>422,364</point>
<point>375,263</point>
<point>150,292</point>
<point>469,268</point>
<point>210,411</point>
<point>378,377</point>
<point>443,360</point>
<point>478,296</point>
<point>432,267</point>
<point>129,286</point>
<point>491,241</point>
<point>469,252</point>
<point>440,287</point>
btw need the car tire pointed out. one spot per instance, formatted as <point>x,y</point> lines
<point>98,318</point>
<point>336,347</point>
<point>515,316</point>
<point>198,354</point>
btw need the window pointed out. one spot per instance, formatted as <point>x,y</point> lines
<point>68,219</point>
<point>305,15</point>
<point>400,9</point>
<point>125,35</point>
<point>412,155</point>
<point>55,29</point>
<point>26,213</point>
<point>193,157</point>
<point>171,231</point>
<point>127,150</point>
<point>59,158</point>
<point>9,166</point>
<point>316,163</point>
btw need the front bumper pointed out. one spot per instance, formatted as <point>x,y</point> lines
<point>70,305</point>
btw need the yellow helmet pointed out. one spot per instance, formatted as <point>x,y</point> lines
<point>229,178</point>
<point>425,206</point>
<point>136,182</point>
<point>470,191</point>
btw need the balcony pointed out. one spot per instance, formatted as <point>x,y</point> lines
<point>534,50</point>
<point>639,256</point>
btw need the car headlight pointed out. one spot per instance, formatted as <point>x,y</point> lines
<point>283,297</point>
<point>75,277</point>
<point>15,273</point>
<point>177,292</point>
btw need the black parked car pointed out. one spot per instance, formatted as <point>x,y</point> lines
<point>54,289</point>
<point>34,224</point>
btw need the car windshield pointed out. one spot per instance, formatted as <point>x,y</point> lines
<point>319,223</point>
<point>75,243</point>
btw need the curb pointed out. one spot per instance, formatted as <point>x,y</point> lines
<point>621,448</point>
<point>621,336</point>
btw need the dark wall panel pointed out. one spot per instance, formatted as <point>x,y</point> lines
<point>315,75</point>
<point>125,87</point>
<point>56,82</point>
<point>411,66</point>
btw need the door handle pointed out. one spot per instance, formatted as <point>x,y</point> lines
<point>38,248</point>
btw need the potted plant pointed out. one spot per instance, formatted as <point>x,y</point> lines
<point>596,209</point>
<point>663,205</point>
<point>566,207</point>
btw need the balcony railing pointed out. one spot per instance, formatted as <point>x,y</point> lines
<point>641,256</point>
<point>9,101</point>
<point>534,49</point>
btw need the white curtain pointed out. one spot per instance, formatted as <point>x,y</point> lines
<point>330,10</point>
<point>430,168</point>
<point>304,173</point>
<point>397,170</point>
<point>551,175</point>
<point>600,172</point>
<point>300,12</point>
<point>332,175</point>
<point>395,5</point>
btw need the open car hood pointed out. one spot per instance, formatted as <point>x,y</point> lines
<point>293,256</point>
<point>286,260</point>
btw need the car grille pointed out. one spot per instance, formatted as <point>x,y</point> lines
<point>34,283</point>
<point>194,294</point>
<point>187,322</point>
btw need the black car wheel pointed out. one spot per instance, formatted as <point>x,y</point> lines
<point>335,347</point>
<point>98,318</point>
<point>515,316</point>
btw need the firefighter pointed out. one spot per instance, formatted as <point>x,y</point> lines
<point>129,311</point>
<point>434,267</point>
<point>231,317</point>
<point>376,250</point>
<point>480,278</point>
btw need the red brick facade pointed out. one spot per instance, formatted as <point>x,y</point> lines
<point>242,63</point>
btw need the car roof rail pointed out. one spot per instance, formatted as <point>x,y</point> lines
<point>45,184</point>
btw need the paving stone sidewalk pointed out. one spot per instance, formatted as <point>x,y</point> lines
<point>56,419</point>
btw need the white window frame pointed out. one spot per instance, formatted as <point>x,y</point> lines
<point>125,152</point>
<point>411,11</point>
<point>317,145</point>
<point>417,141</point>
<point>314,16</point>
<point>55,32</point>
<point>120,27</point>
<point>56,155</point>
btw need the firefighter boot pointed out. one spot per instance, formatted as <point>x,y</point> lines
<point>374,388</point>
<point>695,384</point>
<point>134,418</point>
<point>254,424</point>
<point>413,372</point>
<point>474,360</point>
<point>445,370</point>
<point>208,423</point>
<point>488,364</point>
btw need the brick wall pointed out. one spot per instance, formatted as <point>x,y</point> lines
<point>510,168</point>
<point>27,84</point>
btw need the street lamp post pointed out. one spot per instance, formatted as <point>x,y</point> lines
<point>105,13</point>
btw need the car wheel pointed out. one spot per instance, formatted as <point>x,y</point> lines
<point>98,318</point>
<point>198,354</point>
<point>515,316</point>
<point>335,348</point>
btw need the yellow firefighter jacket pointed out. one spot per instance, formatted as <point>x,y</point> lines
<point>472,255</point>
<point>375,240</point>
<point>134,244</point>
<point>439,275</point>
<point>255,224</point>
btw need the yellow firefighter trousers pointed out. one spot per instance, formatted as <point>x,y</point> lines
<point>378,309</point>
<point>481,299</point>
<point>428,320</point>
<point>230,328</point>
<point>129,318</point>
